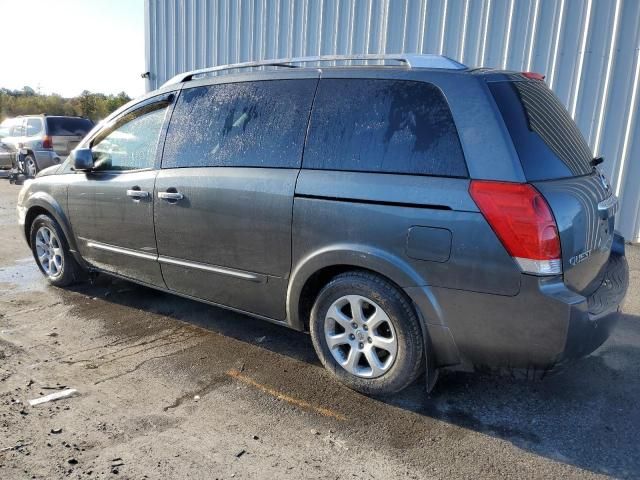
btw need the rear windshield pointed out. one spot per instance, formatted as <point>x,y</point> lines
<point>63,126</point>
<point>546,138</point>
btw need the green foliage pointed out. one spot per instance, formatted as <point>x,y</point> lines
<point>95,106</point>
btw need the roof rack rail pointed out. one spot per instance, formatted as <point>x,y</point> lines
<point>411,60</point>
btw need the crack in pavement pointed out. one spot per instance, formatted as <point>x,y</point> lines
<point>139,365</point>
<point>128,347</point>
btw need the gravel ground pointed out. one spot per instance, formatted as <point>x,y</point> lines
<point>170,388</point>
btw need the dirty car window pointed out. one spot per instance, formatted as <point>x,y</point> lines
<point>247,124</point>
<point>369,125</point>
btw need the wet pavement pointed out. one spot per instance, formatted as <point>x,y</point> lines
<point>170,388</point>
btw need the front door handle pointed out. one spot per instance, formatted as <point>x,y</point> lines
<point>170,196</point>
<point>137,194</point>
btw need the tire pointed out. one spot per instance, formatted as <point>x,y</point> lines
<point>30,166</point>
<point>376,367</point>
<point>51,252</point>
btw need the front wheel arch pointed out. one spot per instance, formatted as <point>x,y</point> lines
<point>53,244</point>
<point>32,213</point>
<point>42,203</point>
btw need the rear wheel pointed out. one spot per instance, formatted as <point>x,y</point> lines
<point>30,166</point>
<point>366,333</point>
<point>51,252</point>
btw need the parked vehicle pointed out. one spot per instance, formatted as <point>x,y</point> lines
<point>411,214</point>
<point>6,156</point>
<point>45,140</point>
<point>7,151</point>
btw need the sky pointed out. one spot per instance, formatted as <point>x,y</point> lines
<point>67,46</point>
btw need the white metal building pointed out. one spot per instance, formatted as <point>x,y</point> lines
<point>588,50</point>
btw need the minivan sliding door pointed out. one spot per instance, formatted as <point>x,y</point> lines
<point>224,194</point>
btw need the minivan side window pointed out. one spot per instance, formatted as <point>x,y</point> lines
<point>246,124</point>
<point>386,126</point>
<point>34,127</point>
<point>131,143</point>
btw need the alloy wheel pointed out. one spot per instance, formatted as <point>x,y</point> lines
<point>360,336</point>
<point>49,252</point>
<point>31,167</point>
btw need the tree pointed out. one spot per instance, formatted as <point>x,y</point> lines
<point>88,104</point>
<point>95,106</point>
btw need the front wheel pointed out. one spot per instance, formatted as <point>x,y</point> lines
<point>51,252</point>
<point>367,334</point>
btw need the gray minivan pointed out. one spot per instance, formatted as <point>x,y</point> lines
<point>411,213</point>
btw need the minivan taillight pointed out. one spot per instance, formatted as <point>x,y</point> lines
<point>522,220</point>
<point>47,142</point>
<point>533,76</point>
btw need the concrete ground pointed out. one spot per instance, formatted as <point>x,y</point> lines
<point>170,388</point>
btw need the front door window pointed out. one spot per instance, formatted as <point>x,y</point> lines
<point>131,143</point>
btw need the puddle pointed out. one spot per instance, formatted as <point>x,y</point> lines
<point>22,276</point>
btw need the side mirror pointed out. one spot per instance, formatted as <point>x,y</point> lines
<point>82,159</point>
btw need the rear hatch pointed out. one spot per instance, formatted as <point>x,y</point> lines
<point>558,162</point>
<point>67,132</point>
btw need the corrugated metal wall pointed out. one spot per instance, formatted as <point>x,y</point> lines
<point>588,50</point>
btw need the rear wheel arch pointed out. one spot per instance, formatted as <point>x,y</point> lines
<point>316,270</point>
<point>364,369</point>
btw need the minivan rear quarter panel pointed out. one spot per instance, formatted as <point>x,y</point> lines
<point>377,211</point>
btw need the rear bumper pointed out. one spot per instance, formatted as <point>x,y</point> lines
<point>544,326</point>
<point>590,327</point>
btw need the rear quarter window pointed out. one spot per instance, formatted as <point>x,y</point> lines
<point>66,127</point>
<point>385,126</point>
<point>546,138</point>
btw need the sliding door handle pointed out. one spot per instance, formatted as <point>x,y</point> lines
<point>170,196</point>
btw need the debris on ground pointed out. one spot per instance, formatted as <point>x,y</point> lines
<point>55,431</point>
<point>240,453</point>
<point>18,446</point>
<point>53,396</point>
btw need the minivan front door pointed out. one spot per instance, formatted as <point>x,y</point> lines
<point>224,195</point>
<point>111,207</point>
